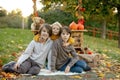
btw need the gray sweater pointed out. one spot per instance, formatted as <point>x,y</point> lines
<point>60,55</point>
<point>36,51</point>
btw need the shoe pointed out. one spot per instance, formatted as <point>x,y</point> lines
<point>87,68</point>
<point>9,67</point>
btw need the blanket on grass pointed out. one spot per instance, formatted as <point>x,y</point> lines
<point>46,72</point>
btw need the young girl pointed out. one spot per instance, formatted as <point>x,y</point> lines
<point>34,57</point>
<point>56,30</point>
<point>60,59</point>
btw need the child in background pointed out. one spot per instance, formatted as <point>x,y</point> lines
<point>60,59</point>
<point>56,30</point>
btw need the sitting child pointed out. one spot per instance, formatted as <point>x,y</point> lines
<point>60,59</point>
<point>34,57</point>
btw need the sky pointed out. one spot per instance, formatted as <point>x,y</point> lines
<point>26,6</point>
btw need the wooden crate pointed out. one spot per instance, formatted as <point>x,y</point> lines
<point>78,37</point>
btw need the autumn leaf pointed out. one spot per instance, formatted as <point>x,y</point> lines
<point>76,77</point>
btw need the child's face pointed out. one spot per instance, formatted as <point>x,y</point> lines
<point>44,34</point>
<point>55,30</point>
<point>65,35</point>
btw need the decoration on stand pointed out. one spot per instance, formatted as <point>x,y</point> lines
<point>37,21</point>
<point>79,10</point>
<point>73,26</point>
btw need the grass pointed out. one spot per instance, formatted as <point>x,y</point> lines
<point>16,40</point>
<point>103,46</point>
<point>13,41</point>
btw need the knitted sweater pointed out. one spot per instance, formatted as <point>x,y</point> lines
<point>60,55</point>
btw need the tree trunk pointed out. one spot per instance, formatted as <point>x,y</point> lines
<point>118,26</point>
<point>103,34</point>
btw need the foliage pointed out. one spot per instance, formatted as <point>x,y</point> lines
<point>52,16</point>
<point>3,12</point>
<point>95,10</point>
<point>102,9</point>
<point>13,19</point>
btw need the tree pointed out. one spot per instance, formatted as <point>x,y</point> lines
<point>101,8</point>
<point>3,12</point>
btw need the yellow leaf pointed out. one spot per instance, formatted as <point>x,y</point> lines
<point>3,79</point>
<point>77,77</point>
<point>101,75</point>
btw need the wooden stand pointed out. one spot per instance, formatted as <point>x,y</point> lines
<point>78,36</point>
<point>91,59</point>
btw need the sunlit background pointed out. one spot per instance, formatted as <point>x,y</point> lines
<point>26,6</point>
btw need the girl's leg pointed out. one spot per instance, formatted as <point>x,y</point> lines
<point>24,67</point>
<point>64,66</point>
<point>83,65</point>
<point>34,70</point>
<point>76,69</point>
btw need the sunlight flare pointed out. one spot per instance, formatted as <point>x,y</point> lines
<point>26,6</point>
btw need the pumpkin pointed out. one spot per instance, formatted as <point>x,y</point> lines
<point>73,26</point>
<point>80,27</point>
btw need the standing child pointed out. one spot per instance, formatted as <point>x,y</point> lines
<point>34,57</point>
<point>60,59</point>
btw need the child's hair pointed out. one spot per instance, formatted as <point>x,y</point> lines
<point>66,28</point>
<point>47,26</point>
<point>56,24</point>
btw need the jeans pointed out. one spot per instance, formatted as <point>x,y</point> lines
<point>78,67</point>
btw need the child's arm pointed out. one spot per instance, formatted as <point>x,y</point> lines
<point>74,58</point>
<point>53,57</point>
<point>27,53</point>
<point>49,60</point>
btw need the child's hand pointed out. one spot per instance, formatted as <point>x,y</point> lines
<point>16,66</point>
<point>67,69</point>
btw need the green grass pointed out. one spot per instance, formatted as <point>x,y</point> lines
<point>103,46</point>
<point>16,40</point>
<point>13,41</point>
